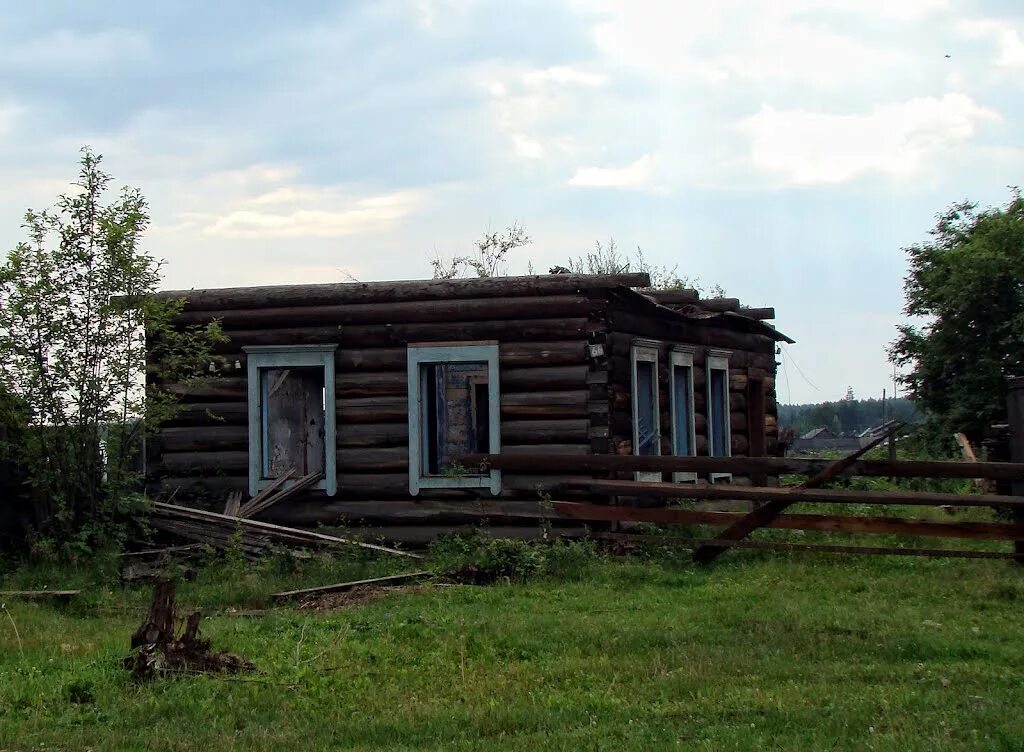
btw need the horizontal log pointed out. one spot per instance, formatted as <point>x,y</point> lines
<point>818,548</point>
<point>752,465</point>
<point>560,378</point>
<point>372,410</point>
<point>184,463</point>
<point>374,460</point>
<point>821,523</point>
<point>400,334</point>
<point>203,438</point>
<point>559,450</point>
<point>690,332</point>
<point>544,431</point>
<point>560,404</point>
<point>395,312</point>
<point>794,495</point>
<point>669,297</point>
<point>372,434</point>
<point>719,305</point>
<point>761,314</point>
<point>220,389</point>
<point>373,292</point>
<point>210,414</point>
<point>362,384</point>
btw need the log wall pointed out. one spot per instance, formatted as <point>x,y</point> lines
<point>546,399</point>
<point>558,394</point>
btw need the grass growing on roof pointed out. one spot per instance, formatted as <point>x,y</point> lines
<point>757,652</point>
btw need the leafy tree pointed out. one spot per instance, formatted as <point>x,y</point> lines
<point>967,284</point>
<point>76,320</point>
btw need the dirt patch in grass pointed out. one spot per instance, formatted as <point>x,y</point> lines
<point>357,597</point>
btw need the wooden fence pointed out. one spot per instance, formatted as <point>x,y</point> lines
<point>647,502</point>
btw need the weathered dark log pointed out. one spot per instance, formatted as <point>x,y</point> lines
<point>692,332</point>
<point>361,384</point>
<point>385,460</point>
<point>372,434</point>
<point>376,292</point>
<point>544,379</point>
<point>372,410</point>
<point>540,461</point>
<point>384,335</point>
<point>670,297</point>
<point>204,438</point>
<point>794,495</point>
<point>821,523</point>
<point>394,312</point>
<point>740,444</point>
<point>221,389</point>
<point>210,414</point>
<point>185,463</point>
<point>719,305</point>
<point>550,450</point>
<point>761,314</point>
<point>566,431</point>
<point>560,404</point>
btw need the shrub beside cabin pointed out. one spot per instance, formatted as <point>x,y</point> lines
<point>380,386</point>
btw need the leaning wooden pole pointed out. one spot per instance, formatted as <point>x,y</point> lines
<point>1015,417</point>
<point>767,512</point>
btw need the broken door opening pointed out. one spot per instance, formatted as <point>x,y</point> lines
<point>294,419</point>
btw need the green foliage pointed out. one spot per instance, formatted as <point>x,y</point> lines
<point>477,557</point>
<point>967,284</point>
<point>76,319</point>
<point>848,416</point>
<point>491,259</point>
<point>608,259</point>
<point>756,653</point>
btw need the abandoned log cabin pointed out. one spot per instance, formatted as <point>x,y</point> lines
<point>379,387</point>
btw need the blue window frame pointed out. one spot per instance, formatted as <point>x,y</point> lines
<point>719,434</point>
<point>454,409</point>
<point>684,437</point>
<point>646,413</point>
<point>291,414</point>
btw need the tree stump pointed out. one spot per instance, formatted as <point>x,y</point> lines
<point>156,651</point>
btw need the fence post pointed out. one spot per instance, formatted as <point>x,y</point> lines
<point>1015,418</point>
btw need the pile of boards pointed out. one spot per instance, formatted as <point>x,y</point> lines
<point>253,538</point>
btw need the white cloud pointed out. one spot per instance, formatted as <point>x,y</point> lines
<point>804,147</point>
<point>371,214</point>
<point>73,52</point>
<point>1009,45</point>
<point>562,75</point>
<point>738,40</point>
<point>527,147</point>
<point>633,176</point>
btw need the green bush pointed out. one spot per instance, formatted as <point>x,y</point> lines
<point>477,557</point>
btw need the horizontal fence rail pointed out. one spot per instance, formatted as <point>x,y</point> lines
<point>610,463</point>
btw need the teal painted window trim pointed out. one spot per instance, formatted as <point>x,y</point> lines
<point>290,356</point>
<point>681,362</point>
<point>426,354</point>
<point>718,360</point>
<point>645,350</point>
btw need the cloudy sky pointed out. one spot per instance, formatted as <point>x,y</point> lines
<point>785,150</point>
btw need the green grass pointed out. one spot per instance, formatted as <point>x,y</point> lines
<point>757,652</point>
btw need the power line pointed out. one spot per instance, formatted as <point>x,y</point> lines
<point>786,354</point>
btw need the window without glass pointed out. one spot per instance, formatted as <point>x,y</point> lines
<point>683,428</point>
<point>719,438</point>
<point>646,416</point>
<point>291,414</point>
<point>453,411</point>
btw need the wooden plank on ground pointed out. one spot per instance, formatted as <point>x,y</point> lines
<point>276,532</point>
<point>39,594</point>
<point>255,507</point>
<point>233,503</point>
<point>768,511</point>
<point>343,586</point>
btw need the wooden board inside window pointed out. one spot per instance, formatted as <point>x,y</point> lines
<point>293,420</point>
